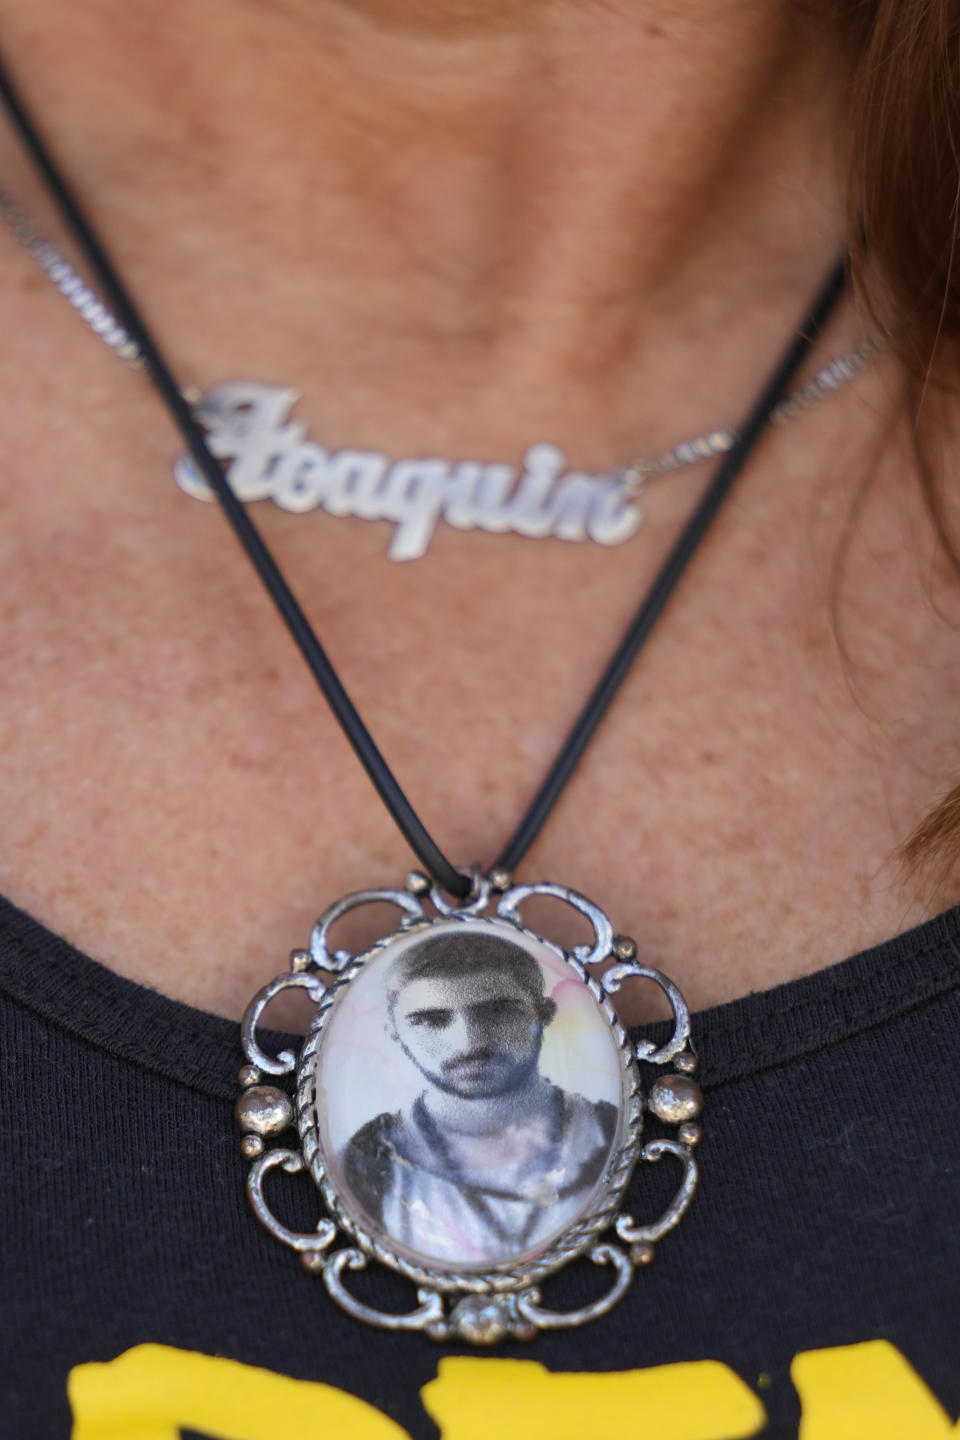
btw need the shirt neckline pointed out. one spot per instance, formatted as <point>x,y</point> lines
<point>49,976</point>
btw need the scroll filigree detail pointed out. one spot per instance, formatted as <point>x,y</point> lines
<point>528,1303</point>
<point>509,906</point>
<point>340,959</point>
<point>430,1309</point>
<point>286,1061</point>
<point>631,1233</point>
<point>292,1163</point>
<point>612,979</point>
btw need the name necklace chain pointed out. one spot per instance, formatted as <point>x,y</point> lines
<point>269,456</point>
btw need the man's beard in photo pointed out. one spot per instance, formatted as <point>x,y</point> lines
<point>483,1074</point>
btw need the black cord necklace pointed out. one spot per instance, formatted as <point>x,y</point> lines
<point>447,875</point>
<point>465,999</point>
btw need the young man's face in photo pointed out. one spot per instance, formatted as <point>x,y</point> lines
<point>475,1035</point>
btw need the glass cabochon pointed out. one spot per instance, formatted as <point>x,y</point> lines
<point>469,1096</point>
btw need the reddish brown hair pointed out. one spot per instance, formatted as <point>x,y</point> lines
<point>905,166</point>
<point>904,224</point>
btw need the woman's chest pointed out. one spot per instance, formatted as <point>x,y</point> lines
<point>180,801</point>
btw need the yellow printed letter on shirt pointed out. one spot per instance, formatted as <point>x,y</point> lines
<point>866,1392</point>
<point>522,1400</point>
<point>153,1391</point>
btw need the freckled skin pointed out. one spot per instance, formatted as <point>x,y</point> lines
<point>475,1036</point>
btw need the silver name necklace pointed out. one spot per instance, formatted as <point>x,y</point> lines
<point>269,456</point>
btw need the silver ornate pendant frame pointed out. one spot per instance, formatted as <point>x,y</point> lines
<point>477,1303</point>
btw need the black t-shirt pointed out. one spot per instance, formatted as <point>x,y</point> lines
<point>817,1272</point>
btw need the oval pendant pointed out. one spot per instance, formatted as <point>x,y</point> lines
<point>470,1108</point>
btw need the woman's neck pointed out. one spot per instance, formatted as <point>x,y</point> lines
<point>602,205</point>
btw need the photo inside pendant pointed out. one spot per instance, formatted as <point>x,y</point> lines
<point>468,1096</point>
